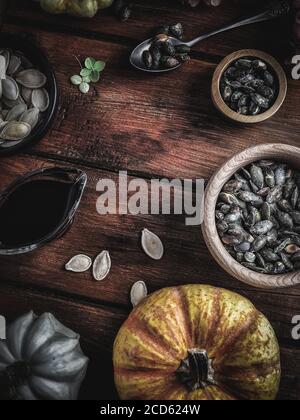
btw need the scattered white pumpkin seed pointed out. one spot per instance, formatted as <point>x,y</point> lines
<point>152,245</point>
<point>102,266</point>
<point>138,293</point>
<point>79,264</point>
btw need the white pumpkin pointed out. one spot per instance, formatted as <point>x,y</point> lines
<point>41,359</point>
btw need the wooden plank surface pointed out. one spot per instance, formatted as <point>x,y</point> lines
<point>186,259</point>
<point>150,126</point>
<point>98,326</point>
<point>116,128</point>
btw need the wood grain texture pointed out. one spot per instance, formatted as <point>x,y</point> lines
<point>270,36</point>
<point>98,326</point>
<point>279,152</point>
<point>148,125</point>
<point>186,259</point>
<point>151,126</point>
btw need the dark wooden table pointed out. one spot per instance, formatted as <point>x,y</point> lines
<point>152,127</point>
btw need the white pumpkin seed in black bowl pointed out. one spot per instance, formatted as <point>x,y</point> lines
<point>249,86</point>
<point>28,93</point>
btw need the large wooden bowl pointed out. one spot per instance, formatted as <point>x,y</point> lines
<point>221,105</point>
<point>280,152</point>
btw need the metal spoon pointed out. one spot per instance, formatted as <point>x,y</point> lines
<point>276,9</point>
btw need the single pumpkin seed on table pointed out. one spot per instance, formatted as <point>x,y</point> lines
<point>79,264</point>
<point>102,266</point>
<point>138,293</point>
<point>152,245</point>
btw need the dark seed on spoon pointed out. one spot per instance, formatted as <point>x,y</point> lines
<point>177,30</point>
<point>169,62</point>
<point>148,59</point>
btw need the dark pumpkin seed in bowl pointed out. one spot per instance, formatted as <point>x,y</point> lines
<point>258,217</point>
<point>257,241</point>
<point>249,86</point>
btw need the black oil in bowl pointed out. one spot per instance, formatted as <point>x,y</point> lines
<point>39,208</point>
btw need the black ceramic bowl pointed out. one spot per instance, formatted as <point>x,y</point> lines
<point>25,44</point>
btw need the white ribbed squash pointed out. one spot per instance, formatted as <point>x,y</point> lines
<point>41,359</point>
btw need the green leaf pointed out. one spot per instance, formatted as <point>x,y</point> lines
<point>76,80</point>
<point>95,76</point>
<point>84,87</point>
<point>86,79</point>
<point>89,63</point>
<point>85,72</point>
<point>99,66</point>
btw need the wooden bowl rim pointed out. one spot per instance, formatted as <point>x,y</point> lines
<point>221,105</point>
<point>275,151</point>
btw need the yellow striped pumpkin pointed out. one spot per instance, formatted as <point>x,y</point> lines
<point>196,343</point>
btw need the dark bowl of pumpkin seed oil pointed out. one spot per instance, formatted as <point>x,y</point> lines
<point>29,93</point>
<point>249,86</point>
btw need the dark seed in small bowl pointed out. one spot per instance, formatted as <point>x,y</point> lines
<point>249,86</point>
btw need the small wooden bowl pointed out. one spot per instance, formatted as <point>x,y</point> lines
<point>280,152</point>
<point>221,105</point>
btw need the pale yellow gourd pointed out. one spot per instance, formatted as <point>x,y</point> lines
<point>82,8</point>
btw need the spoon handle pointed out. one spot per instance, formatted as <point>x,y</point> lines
<point>276,9</point>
